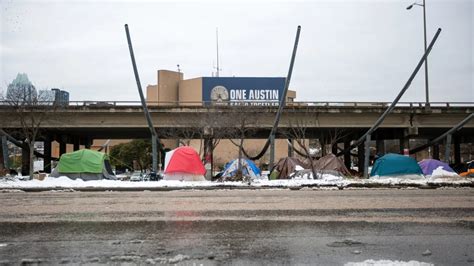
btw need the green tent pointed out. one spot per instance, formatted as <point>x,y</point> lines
<point>395,164</point>
<point>84,164</point>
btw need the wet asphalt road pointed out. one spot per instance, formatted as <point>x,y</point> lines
<point>238,227</point>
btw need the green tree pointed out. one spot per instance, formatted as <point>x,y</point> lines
<point>116,157</point>
<point>137,151</point>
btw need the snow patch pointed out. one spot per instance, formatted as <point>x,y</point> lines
<point>400,177</point>
<point>441,173</point>
<point>388,263</point>
<point>178,258</point>
<point>65,184</point>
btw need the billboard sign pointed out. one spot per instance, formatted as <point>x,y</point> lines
<point>243,91</point>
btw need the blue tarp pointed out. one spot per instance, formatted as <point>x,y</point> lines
<point>395,164</point>
<point>248,169</point>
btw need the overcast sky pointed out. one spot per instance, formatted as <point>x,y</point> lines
<point>349,50</point>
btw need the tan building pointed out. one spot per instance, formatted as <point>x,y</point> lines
<point>172,89</point>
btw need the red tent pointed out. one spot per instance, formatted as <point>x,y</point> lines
<point>183,160</point>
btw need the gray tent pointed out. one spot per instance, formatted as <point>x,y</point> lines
<point>286,166</point>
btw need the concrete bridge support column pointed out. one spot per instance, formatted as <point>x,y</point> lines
<point>457,150</point>
<point>347,154</point>
<point>360,157</point>
<point>322,142</point>
<point>404,144</point>
<point>334,148</point>
<point>380,146</point>
<point>436,152</point>
<point>25,160</point>
<point>366,156</point>
<point>87,143</point>
<point>76,143</point>
<point>47,155</point>
<point>208,157</point>
<point>4,153</point>
<point>62,147</point>
<point>447,154</point>
<point>290,147</point>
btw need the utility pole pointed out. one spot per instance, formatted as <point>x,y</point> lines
<point>427,106</point>
<point>217,50</point>
<point>427,103</point>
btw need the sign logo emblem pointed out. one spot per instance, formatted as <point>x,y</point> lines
<point>219,94</point>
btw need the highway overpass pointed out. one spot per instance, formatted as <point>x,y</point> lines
<point>81,122</point>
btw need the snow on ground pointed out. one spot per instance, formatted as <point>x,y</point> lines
<point>326,180</point>
<point>388,263</point>
<point>398,180</point>
<point>443,178</point>
<point>441,173</point>
<point>65,182</point>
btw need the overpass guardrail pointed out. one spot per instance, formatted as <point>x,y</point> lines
<point>104,104</point>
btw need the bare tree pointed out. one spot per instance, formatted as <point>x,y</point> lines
<point>208,127</point>
<point>244,125</point>
<point>30,110</point>
<point>297,132</point>
<point>332,137</point>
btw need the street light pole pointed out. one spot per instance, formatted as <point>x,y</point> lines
<point>427,103</point>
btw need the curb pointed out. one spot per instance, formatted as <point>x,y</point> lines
<point>246,187</point>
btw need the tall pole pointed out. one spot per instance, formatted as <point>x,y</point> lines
<point>282,101</point>
<point>427,104</point>
<point>217,49</point>
<point>436,140</point>
<point>400,94</point>
<point>155,144</point>
<point>272,153</point>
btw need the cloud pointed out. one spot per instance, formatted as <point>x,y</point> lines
<point>349,50</point>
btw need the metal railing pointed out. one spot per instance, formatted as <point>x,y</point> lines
<point>338,104</point>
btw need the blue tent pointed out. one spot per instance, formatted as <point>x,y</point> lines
<point>395,164</point>
<point>249,169</point>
